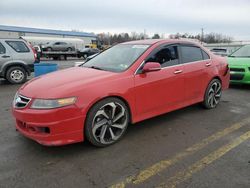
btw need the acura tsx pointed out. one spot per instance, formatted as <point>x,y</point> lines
<point>125,84</point>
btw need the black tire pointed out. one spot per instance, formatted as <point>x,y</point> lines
<point>16,75</point>
<point>49,49</point>
<point>93,119</point>
<point>213,94</point>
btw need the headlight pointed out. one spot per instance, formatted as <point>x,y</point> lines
<point>52,103</point>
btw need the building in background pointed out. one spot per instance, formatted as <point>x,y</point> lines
<point>17,32</point>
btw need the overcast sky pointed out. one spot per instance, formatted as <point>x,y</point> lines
<point>229,17</point>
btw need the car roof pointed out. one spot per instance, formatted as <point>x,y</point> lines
<point>154,41</point>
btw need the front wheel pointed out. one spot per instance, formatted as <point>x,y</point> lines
<point>106,122</point>
<point>69,49</point>
<point>213,94</point>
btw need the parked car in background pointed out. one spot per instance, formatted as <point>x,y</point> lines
<point>127,83</point>
<point>58,46</point>
<point>220,51</point>
<point>86,52</point>
<point>239,63</point>
<point>17,59</point>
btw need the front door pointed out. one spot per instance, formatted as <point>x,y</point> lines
<point>160,91</point>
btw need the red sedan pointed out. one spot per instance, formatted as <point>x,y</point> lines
<point>127,83</point>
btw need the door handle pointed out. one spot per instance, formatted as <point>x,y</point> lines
<point>177,71</point>
<point>208,64</point>
<point>5,56</point>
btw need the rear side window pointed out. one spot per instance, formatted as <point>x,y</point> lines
<point>18,46</point>
<point>205,55</point>
<point>2,49</point>
<point>190,54</point>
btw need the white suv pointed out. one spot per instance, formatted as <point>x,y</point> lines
<point>17,59</point>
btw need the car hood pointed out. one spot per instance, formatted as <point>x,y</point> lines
<point>63,83</point>
<point>234,61</point>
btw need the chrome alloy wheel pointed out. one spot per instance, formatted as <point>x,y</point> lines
<point>16,75</point>
<point>214,94</point>
<point>109,123</point>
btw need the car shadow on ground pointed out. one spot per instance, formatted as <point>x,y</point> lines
<point>132,133</point>
<point>240,86</point>
<point>4,82</point>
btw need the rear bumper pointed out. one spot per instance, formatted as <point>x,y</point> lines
<point>50,127</point>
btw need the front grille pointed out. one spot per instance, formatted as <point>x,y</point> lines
<point>237,69</point>
<point>21,101</point>
<point>236,76</point>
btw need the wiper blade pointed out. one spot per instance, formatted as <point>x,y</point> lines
<point>95,67</point>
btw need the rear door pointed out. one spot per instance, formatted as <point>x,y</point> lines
<point>160,91</point>
<point>194,71</point>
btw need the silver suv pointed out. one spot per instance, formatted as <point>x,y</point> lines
<point>58,46</point>
<point>16,60</point>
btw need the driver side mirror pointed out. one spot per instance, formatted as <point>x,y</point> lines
<point>151,66</point>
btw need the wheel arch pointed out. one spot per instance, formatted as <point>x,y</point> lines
<point>14,64</point>
<point>111,96</point>
<point>215,77</point>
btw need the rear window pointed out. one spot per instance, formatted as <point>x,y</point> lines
<point>191,54</point>
<point>2,49</point>
<point>18,46</point>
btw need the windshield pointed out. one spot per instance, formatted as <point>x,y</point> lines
<point>242,52</point>
<point>117,58</point>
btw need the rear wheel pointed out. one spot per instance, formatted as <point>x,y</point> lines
<point>106,122</point>
<point>213,94</point>
<point>16,75</point>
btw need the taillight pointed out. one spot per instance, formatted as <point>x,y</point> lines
<point>34,51</point>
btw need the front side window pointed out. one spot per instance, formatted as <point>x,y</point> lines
<point>18,46</point>
<point>191,54</point>
<point>118,58</point>
<point>167,56</point>
<point>2,49</point>
<point>242,52</point>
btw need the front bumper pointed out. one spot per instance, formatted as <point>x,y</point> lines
<point>239,74</point>
<point>51,127</point>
